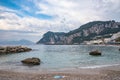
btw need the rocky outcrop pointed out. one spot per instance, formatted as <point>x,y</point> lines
<point>89,31</point>
<point>95,53</point>
<point>31,61</point>
<point>14,49</point>
<point>52,38</point>
<point>117,39</point>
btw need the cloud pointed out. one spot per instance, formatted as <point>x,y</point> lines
<point>80,11</point>
<point>56,15</point>
<point>11,21</point>
<point>14,26</point>
<point>109,9</point>
<point>69,9</point>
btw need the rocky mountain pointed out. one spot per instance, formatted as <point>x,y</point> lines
<point>19,42</point>
<point>86,32</point>
<point>52,38</point>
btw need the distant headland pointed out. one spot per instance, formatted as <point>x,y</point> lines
<point>96,32</point>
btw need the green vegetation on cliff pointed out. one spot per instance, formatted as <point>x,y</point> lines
<point>86,32</point>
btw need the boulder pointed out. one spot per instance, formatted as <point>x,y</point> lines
<point>95,53</point>
<point>31,61</point>
<point>2,48</point>
<point>14,49</point>
<point>2,51</point>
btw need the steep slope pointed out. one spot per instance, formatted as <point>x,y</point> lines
<point>52,38</point>
<point>86,32</point>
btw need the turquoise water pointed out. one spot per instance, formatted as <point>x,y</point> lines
<point>56,57</point>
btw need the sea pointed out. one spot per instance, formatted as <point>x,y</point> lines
<point>62,57</point>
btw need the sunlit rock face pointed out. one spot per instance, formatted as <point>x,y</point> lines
<point>115,36</point>
<point>86,32</point>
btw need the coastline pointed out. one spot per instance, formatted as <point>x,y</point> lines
<point>100,72</point>
<point>104,73</point>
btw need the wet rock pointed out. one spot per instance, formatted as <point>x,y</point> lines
<point>2,51</point>
<point>1,48</point>
<point>31,61</point>
<point>14,49</point>
<point>95,53</point>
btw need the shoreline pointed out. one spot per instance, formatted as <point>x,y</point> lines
<point>104,73</point>
<point>27,68</point>
<point>15,71</point>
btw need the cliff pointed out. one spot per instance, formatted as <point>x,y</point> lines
<point>86,32</point>
<point>52,38</point>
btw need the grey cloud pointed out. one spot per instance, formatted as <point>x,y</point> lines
<point>17,31</point>
<point>67,15</point>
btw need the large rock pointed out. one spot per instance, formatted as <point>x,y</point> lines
<point>95,53</point>
<point>31,61</point>
<point>14,49</point>
<point>1,48</point>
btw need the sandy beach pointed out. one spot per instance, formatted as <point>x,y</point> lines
<point>105,73</point>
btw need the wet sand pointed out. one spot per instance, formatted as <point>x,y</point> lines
<point>105,73</point>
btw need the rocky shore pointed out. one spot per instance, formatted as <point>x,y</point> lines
<point>13,49</point>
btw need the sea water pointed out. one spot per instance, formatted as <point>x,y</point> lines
<point>55,57</point>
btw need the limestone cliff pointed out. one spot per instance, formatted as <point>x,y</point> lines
<point>86,32</point>
<point>52,38</point>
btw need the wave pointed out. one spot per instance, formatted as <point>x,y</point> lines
<point>98,66</point>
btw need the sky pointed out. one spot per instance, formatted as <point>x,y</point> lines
<point>30,19</point>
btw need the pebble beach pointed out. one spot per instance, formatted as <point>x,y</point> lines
<point>105,73</point>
